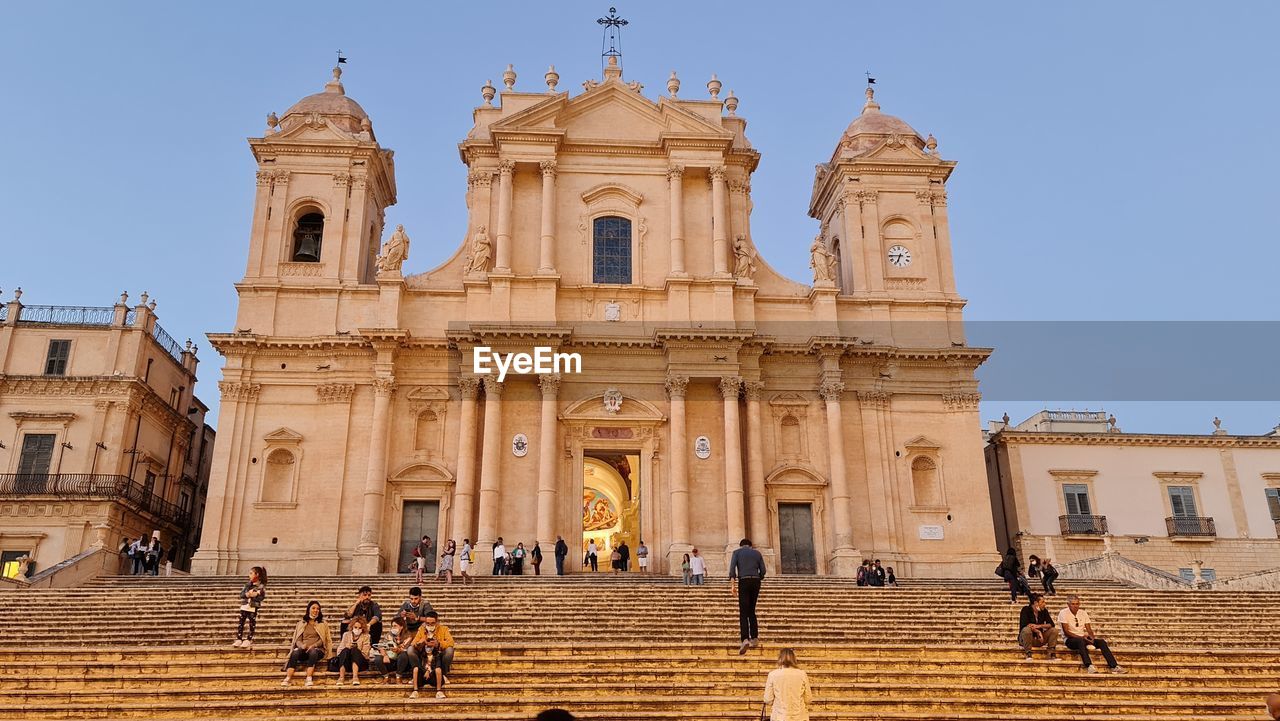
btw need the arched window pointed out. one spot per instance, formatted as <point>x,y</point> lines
<point>611,256</point>
<point>277,479</point>
<point>307,235</point>
<point>924,482</point>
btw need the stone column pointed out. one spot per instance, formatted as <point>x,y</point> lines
<point>550,385</point>
<point>375,481</point>
<point>720,223</point>
<point>491,455</point>
<point>757,502</point>
<point>675,179</point>
<point>831,391</point>
<point>464,496</point>
<point>942,241</point>
<point>676,387</point>
<point>873,253</point>
<point>733,501</point>
<point>506,190</point>
<point>547,244</point>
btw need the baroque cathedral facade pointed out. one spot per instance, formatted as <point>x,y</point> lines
<point>828,421</point>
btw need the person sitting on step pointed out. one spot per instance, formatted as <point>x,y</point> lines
<point>414,609</point>
<point>354,651</point>
<point>890,578</point>
<point>432,652</point>
<point>1078,628</point>
<point>367,607</point>
<point>386,654</point>
<point>1035,628</point>
<point>311,644</point>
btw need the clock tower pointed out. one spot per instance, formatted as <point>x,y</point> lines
<point>882,203</point>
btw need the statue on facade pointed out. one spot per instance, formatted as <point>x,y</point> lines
<point>481,250</point>
<point>821,261</point>
<point>394,252</point>
<point>744,258</point>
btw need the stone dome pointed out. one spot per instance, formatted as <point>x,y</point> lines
<point>332,103</point>
<point>872,126</point>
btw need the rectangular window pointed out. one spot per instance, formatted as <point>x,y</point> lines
<point>184,501</point>
<point>37,453</point>
<point>1182,499</point>
<point>149,485</point>
<point>1273,503</point>
<point>55,363</point>
<point>1077,498</point>
<point>1206,574</point>
<point>611,257</point>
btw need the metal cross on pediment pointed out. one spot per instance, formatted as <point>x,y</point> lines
<point>612,29</point>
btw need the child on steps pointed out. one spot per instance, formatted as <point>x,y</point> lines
<point>251,596</point>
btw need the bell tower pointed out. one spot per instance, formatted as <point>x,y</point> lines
<point>882,203</point>
<point>324,184</point>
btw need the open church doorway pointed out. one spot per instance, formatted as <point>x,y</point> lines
<point>610,507</point>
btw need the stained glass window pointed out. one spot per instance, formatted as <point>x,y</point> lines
<point>611,259</point>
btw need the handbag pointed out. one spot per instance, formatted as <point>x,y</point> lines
<point>334,665</point>
<point>248,608</point>
<point>416,552</point>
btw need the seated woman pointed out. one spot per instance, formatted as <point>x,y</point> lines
<point>354,650</point>
<point>311,644</point>
<point>387,653</point>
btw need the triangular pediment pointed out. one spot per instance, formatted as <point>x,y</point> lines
<point>923,443</point>
<point>316,129</point>
<point>283,435</point>
<point>897,148</point>
<point>611,110</point>
<point>630,409</point>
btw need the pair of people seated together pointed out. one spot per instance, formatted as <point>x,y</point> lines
<point>1036,629</point>
<point>420,647</point>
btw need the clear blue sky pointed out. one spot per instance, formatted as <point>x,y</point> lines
<point>1117,160</point>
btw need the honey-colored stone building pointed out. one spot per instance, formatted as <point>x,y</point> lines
<point>716,400</point>
<point>102,439</point>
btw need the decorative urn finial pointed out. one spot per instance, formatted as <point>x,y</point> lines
<point>509,77</point>
<point>673,84</point>
<point>713,87</point>
<point>487,91</point>
<point>931,144</point>
<point>552,78</point>
<point>731,103</point>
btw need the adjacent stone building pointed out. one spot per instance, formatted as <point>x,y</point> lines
<point>101,436</point>
<point>827,421</point>
<point>1069,485</point>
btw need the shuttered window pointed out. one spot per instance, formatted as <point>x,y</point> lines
<point>55,363</point>
<point>1077,497</point>
<point>1182,499</point>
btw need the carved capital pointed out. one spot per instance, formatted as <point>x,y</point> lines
<point>549,384</point>
<point>923,197</point>
<point>384,386</point>
<point>675,172</point>
<point>341,179</point>
<point>281,177</point>
<point>677,386</point>
<point>938,198</point>
<point>265,176</point>
<point>754,389</point>
<point>878,400</point>
<point>335,392</point>
<point>230,392</point>
<point>961,402</point>
<point>506,168</point>
<point>717,173</point>
<point>739,186</point>
<point>492,387</point>
<point>831,391</point>
<point>359,181</point>
<point>469,387</point>
<point>868,197</point>
<point>548,168</point>
<point>730,386</point>
<point>479,179</point>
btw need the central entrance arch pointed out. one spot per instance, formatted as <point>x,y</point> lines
<point>613,452</point>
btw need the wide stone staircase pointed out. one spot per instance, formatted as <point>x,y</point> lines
<point>632,648</point>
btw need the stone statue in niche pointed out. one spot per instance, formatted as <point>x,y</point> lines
<point>394,252</point>
<point>481,251</point>
<point>744,258</point>
<point>821,261</point>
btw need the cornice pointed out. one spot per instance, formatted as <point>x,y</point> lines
<point>1010,437</point>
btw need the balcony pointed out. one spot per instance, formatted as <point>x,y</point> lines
<point>100,486</point>
<point>1190,527</point>
<point>1080,525</point>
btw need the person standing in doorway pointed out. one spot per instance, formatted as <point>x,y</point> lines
<point>746,571</point>
<point>593,556</point>
<point>562,551</point>
<point>697,568</point>
<point>625,550</point>
<point>499,557</point>
<point>535,557</point>
<point>421,553</point>
<point>642,553</point>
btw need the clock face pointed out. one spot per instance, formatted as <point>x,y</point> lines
<point>899,256</point>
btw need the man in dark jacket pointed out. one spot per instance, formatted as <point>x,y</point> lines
<point>625,551</point>
<point>1035,628</point>
<point>746,571</point>
<point>562,550</point>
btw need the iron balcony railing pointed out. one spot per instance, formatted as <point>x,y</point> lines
<point>167,342</point>
<point>1190,526</point>
<point>1077,524</point>
<point>97,485</point>
<point>67,314</point>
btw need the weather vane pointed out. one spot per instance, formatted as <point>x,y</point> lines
<point>870,80</point>
<point>612,29</point>
<point>341,58</point>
